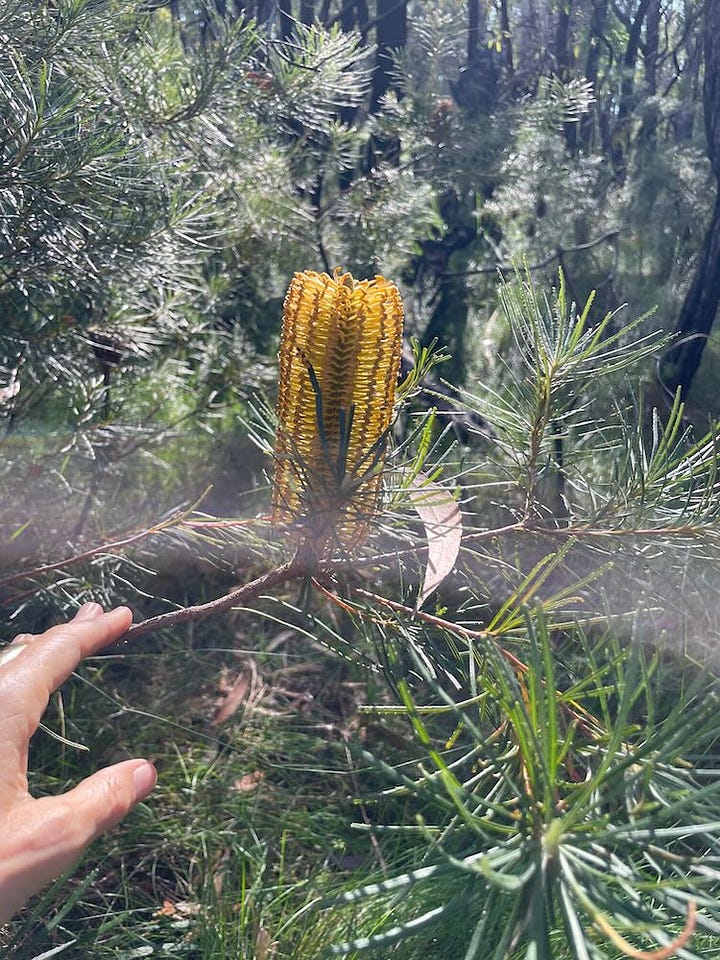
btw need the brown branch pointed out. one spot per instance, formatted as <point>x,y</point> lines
<point>341,564</point>
<point>448,625</point>
<point>664,953</point>
<point>298,567</point>
<point>105,547</point>
<point>223,524</point>
<point>687,530</point>
<point>557,254</point>
<point>174,519</point>
<point>292,570</point>
<point>586,721</point>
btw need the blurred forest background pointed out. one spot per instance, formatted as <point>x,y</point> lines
<point>165,167</point>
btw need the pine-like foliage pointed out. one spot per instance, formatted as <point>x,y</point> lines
<point>557,796</point>
<point>546,784</point>
<point>156,184</point>
<point>107,228</point>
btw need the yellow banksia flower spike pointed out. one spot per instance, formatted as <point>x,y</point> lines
<point>339,362</point>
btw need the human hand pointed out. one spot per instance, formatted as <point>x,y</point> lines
<point>40,838</point>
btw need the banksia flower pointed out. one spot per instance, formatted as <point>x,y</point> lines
<point>339,362</point>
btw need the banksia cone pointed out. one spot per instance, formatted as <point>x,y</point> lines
<point>339,363</point>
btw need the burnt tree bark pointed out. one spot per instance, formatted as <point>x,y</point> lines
<point>560,50</point>
<point>700,307</point>
<point>348,15</point>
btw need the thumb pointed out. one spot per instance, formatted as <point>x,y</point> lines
<point>50,834</point>
<point>103,799</point>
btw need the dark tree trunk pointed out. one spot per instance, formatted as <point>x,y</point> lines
<point>701,303</point>
<point>561,52</point>
<point>562,58</point>
<point>348,14</point>
<point>697,314</point>
<point>353,14</point>
<point>683,120</point>
<point>449,323</point>
<point>443,261</point>
<point>507,47</point>
<point>651,49</point>
<point>473,33</point>
<point>711,88</point>
<point>264,10</point>
<point>449,318</point>
<point>632,49</point>
<point>592,65</point>
<point>621,132</point>
<point>391,35</point>
<point>476,29</point>
<point>286,18</point>
<point>307,12</point>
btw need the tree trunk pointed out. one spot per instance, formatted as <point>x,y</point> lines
<point>264,10</point>
<point>354,15</point>
<point>697,314</point>
<point>683,120</point>
<point>651,48</point>
<point>507,47</point>
<point>648,130</point>
<point>440,261</point>
<point>561,52</point>
<point>562,60</point>
<point>286,18</point>
<point>701,303</point>
<point>592,65</point>
<point>477,28</point>
<point>348,14</point>
<point>621,132</point>
<point>473,33</point>
<point>711,88</point>
<point>391,35</point>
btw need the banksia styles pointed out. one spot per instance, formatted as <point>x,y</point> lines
<point>339,363</point>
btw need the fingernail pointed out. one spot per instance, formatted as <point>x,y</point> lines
<point>88,611</point>
<point>144,780</point>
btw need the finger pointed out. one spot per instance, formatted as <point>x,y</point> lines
<point>45,837</point>
<point>41,665</point>
<point>88,611</point>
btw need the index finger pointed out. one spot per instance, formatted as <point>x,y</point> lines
<point>42,665</point>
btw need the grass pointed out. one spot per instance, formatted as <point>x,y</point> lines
<point>273,810</point>
<point>252,834</point>
<point>254,818</point>
<point>268,812</point>
<point>250,818</point>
